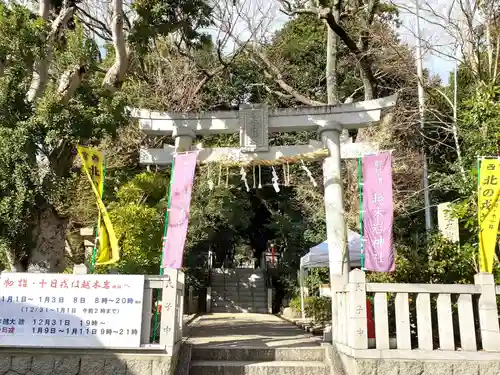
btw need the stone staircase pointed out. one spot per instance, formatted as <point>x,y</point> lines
<point>238,290</point>
<point>258,361</point>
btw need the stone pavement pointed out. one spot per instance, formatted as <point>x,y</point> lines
<point>247,330</point>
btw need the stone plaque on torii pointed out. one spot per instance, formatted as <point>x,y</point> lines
<point>254,123</point>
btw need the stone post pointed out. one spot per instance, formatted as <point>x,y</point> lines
<point>168,323</point>
<point>269,300</point>
<point>336,231</point>
<point>191,300</point>
<point>488,313</point>
<point>209,299</point>
<point>357,328</point>
<point>89,239</point>
<point>79,269</point>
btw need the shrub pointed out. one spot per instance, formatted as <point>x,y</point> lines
<point>319,309</point>
<point>295,304</point>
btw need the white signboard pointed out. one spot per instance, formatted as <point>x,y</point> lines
<point>448,225</point>
<point>62,310</point>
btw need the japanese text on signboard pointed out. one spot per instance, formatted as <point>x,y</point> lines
<point>489,211</point>
<point>70,310</point>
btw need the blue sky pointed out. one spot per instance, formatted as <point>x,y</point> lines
<point>432,33</point>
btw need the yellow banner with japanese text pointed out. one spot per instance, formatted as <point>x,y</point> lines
<point>489,211</point>
<point>93,165</point>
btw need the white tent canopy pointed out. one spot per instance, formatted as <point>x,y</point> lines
<point>318,257</point>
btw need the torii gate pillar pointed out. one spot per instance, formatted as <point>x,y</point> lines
<point>336,230</point>
<point>183,137</point>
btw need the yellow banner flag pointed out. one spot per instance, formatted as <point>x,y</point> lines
<point>93,165</point>
<point>489,211</point>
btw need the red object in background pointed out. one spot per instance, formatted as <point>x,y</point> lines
<point>158,306</point>
<point>272,255</point>
<point>369,320</point>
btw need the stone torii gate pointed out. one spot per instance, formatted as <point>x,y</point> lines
<point>254,123</point>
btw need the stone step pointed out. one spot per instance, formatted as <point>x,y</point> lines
<point>239,304</point>
<point>222,284</point>
<point>255,292</point>
<point>249,292</point>
<point>253,287</point>
<point>232,292</point>
<point>238,281</point>
<point>206,353</point>
<point>238,309</point>
<point>247,297</point>
<point>241,277</point>
<point>258,368</point>
<point>235,292</point>
<point>238,271</point>
<point>257,295</point>
<point>239,299</point>
<point>233,297</point>
<point>231,310</point>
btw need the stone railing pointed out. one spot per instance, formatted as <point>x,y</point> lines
<point>417,322</point>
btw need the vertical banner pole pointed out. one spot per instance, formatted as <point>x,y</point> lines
<point>169,202</point>
<point>360,187</point>
<point>98,226</point>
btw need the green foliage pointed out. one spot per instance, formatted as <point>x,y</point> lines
<point>295,304</point>
<point>319,309</point>
<point>161,18</point>
<point>20,46</point>
<point>137,216</point>
<point>435,260</point>
<point>315,278</point>
<point>480,126</point>
<point>479,135</point>
<point>36,140</point>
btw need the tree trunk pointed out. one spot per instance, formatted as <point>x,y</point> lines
<point>331,66</point>
<point>49,241</point>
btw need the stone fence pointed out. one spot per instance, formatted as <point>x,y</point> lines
<point>419,328</point>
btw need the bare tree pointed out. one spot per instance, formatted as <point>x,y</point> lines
<point>333,15</point>
<point>465,37</point>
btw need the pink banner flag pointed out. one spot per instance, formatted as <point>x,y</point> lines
<point>178,215</point>
<point>378,212</point>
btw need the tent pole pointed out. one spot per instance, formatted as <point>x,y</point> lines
<point>301,284</point>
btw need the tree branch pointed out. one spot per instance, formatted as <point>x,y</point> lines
<point>273,73</point>
<point>274,92</point>
<point>104,32</point>
<point>70,81</point>
<point>114,76</point>
<point>41,71</point>
<point>363,60</point>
